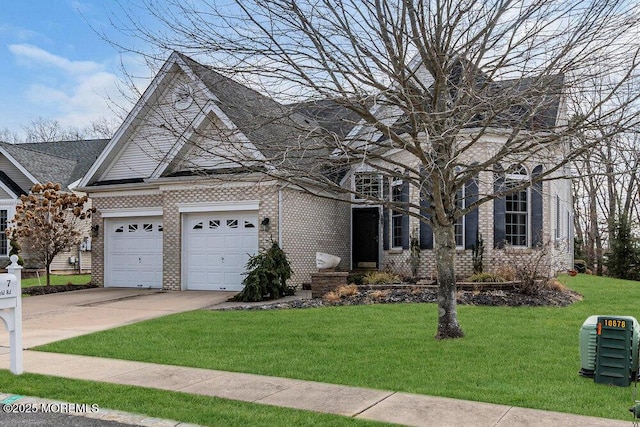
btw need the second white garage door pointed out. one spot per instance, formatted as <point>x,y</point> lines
<point>217,248</point>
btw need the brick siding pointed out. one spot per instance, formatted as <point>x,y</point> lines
<point>309,224</point>
<point>312,224</point>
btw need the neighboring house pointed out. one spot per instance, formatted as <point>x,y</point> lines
<point>24,165</point>
<point>176,211</point>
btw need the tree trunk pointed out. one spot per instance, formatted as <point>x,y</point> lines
<point>48,267</point>
<point>445,243</point>
<point>594,233</point>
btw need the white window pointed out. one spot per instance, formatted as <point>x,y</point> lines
<point>517,208</point>
<point>367,185</point>
<point>396,215</point>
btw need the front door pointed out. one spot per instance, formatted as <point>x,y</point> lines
<point>365,237</point>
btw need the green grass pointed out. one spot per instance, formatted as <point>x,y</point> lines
<point>202,410</point>
<point>517,356</point>
<point>57,279</point>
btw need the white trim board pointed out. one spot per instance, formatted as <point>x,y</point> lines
<point>123,213</point>
<point>241,205</point>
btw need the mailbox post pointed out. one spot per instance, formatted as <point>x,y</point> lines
<point>11,311</point>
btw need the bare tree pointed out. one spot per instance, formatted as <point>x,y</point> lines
<point>50,130</point>
<point>427,84</point>
<point>49,221</point>
<point>6,135</point>
<point>102,128</point>
<point>606,184</point>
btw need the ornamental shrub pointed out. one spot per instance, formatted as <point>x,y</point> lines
<point>486,278</point>
<point>380,278</point>
<point>267,275</point>
<point>477,253</point>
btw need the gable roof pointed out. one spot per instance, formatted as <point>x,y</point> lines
<point>532,103</point>
<point>330,115</point>
<point>267,127</point>
<point>535,99</point>
<point>62,162</point>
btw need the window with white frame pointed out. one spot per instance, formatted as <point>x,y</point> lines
<point>517,208</point>
<point>396,215</point>
<point>367,185</point>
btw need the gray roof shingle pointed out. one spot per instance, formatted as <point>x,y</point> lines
<point>62,162</point>
<point>292,134</point>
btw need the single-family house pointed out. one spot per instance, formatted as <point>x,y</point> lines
<point>187,189</point>
<point>24,165</point>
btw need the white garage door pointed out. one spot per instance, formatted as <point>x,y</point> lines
<point>217,248</point>
<point>133,255</point>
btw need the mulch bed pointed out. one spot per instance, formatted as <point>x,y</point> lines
<point>485,297</point>
<point>52,289</point>
<point>390,295</point>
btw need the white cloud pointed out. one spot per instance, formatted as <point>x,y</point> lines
<point>75,93</point>
<point>33,55</point>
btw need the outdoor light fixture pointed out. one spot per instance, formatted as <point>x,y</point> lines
<point>265,224</point>
<point>95,229</point>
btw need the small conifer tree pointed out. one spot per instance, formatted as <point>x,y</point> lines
<point>623,258</point>
<point>267,276</point>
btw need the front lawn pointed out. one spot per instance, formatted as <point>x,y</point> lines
<point>57,279</point>
<point>516,356</point>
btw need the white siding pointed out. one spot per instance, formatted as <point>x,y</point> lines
<point>156,133</point>
<point>61,263</point>
<point>5,195</point>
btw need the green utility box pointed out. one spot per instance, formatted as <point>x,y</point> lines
<point>589,344</point>
<point>616,350</point>
<point>588,340</point>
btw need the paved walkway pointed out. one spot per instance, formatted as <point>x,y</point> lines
<point>54,317</point>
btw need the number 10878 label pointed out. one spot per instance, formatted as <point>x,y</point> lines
<point>614,323</point>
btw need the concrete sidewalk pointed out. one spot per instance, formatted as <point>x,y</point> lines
<point>379,405</point>
<point>54,317</point>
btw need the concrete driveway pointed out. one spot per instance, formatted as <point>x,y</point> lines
<point>53,317</point>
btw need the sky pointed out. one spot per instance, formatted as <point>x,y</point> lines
<point>56,67</point>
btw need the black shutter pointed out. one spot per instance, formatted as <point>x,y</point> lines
<point>471,218</point>
<point>536,209</point>
<point>499,207</point>
<point>404,197</point>
<point>426,233</point>
<point>385,214</point>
